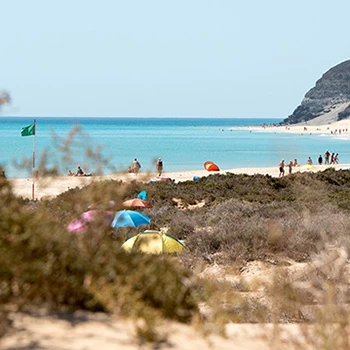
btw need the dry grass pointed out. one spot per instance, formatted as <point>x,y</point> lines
<point>245,219</point>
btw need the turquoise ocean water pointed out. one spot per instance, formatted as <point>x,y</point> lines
<point>182,143</point>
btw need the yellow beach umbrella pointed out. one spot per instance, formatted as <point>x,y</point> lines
<point>153,242</point>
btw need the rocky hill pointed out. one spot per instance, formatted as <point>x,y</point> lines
<point>329,98</point>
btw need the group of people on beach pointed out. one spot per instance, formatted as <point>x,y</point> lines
<point>136,166</point>
<point>79,172</point>
<point>328,159</point>
<point>133,168</point>
<point>291,164</point>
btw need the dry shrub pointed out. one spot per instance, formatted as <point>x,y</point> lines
<point>181,225</point>
<point>318,296</point>
<point>249,231</point>
<point>43,264</point>
<point>245,218</point>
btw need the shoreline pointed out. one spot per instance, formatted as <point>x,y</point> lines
<point>51,187</point>
<point>335,128</point>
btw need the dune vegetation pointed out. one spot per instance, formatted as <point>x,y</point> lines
<point>225,221</point>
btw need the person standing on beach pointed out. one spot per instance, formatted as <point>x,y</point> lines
<point>159,166</point>
<point>326,157</point>
<point>336,160</point>
<point>290,167</point>
<point>281,168</point>
<point>136,166</point>
<point>320,160</point>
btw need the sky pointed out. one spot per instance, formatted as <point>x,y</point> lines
<point>161,58</point>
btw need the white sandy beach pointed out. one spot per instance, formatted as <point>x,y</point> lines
<point>320,125</point>
<point>51,187</point>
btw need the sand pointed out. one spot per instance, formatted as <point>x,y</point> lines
<point>82,330</point>
<point>314,126</point>
<point>51,187</point>
<point>88,331</point>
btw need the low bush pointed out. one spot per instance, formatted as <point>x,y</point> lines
<point>243,218</point>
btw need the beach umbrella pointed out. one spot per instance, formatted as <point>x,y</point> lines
<point>137,202</point>
<point>309,167</point>
<point>142,195</point>
<point>153,242</point>
<point>130,218</point>
<point>81,224</point>
<point>210,166</point>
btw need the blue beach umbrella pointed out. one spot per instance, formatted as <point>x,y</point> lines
<point>130,218</point>
<point>142,195</point>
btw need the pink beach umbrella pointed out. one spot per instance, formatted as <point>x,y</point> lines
<point>81,224</point>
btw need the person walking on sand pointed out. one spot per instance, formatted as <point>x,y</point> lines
<point>281,168</point>
<point>136,166</point>
<point>159,166</point>
<point>336,160</point>
<point>290,167</point>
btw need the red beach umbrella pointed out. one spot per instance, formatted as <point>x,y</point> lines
<point>210,166</point>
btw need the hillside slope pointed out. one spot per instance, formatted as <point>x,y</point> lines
<point>329,98</point>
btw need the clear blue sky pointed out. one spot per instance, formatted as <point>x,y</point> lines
<point>202,58</point>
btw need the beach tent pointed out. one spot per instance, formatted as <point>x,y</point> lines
<point>153,242</point>
<point>210,166</point>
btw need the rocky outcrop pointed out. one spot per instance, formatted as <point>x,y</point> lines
<point>329,97</point>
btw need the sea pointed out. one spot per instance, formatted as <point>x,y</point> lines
<point>103,145</point>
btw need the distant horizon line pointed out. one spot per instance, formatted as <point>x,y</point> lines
<point>143,117</point>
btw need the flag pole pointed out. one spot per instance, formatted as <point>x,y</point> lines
<point>33,164</point>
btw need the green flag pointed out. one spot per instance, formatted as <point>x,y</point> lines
<point>28,130</point>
